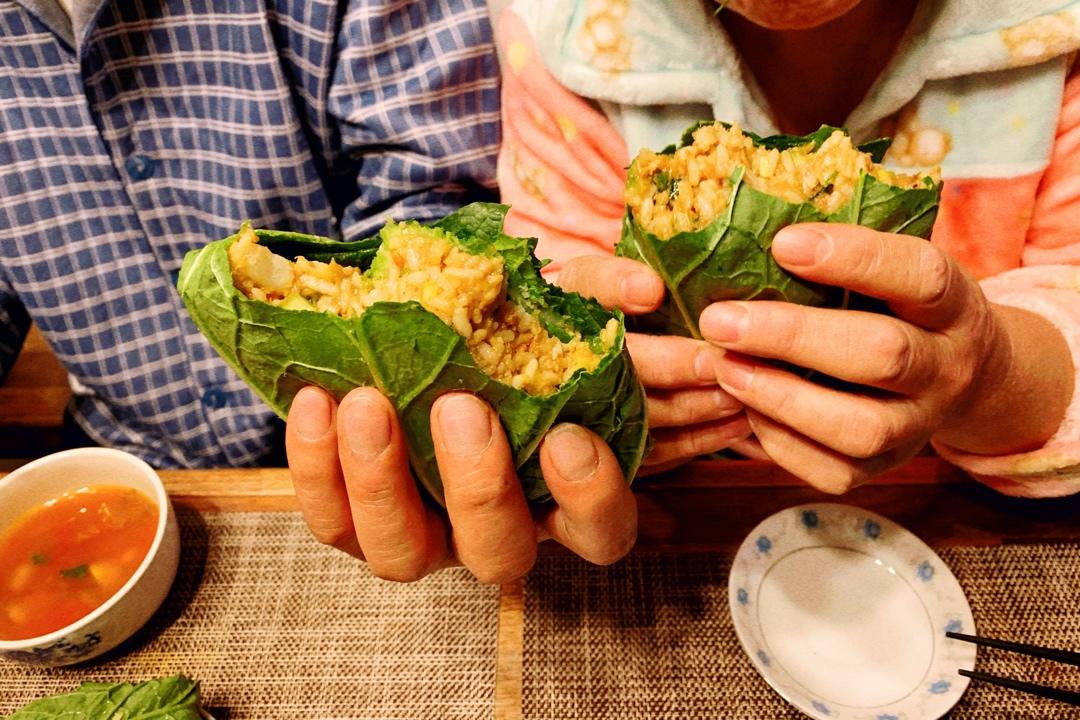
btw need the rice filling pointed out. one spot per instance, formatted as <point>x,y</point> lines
<point>686,190</point>
<point>465,291</point>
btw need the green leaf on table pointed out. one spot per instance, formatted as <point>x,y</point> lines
<point>171,698</point>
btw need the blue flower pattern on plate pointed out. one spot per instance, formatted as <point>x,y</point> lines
<point>924,570</point>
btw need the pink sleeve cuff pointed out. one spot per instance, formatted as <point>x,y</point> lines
<point>1053,470</point>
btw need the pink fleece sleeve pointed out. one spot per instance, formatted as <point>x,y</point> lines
<point>1053,470</point>
<point>561,167</point>
<point>1047,284</point>
<point>1053,237</point>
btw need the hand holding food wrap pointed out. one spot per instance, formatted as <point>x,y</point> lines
<point>418,312</point>
<point>703,213</point>
<point>421,311</point>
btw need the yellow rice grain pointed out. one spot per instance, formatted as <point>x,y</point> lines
<point>465,291</point>
<point>826,177</point>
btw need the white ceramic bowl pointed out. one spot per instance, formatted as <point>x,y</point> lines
<point>133,604</point>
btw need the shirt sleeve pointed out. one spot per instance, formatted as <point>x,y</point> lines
<point>14,324</point>
<point>415,99</point>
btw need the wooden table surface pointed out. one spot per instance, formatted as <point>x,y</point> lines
<point>712,505</point>
<point>708,506</point>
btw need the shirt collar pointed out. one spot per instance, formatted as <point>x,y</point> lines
<point>72,30</point>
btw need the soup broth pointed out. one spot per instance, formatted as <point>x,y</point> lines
<point>61,560</point>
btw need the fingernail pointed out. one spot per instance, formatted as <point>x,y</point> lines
<point>310,414</point>
<point>795,245</point>
<point>725,401</point>
<point>573,453</point>
<point>705,363</point>
<point>367,428</point>
<point>735,372</point>
<point>724,322</point>
<point>466,428</point>
<point>641,289</point>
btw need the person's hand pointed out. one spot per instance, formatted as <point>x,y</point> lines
<point>949,364</point>
<point>350,469</point>
<point>689,414</point>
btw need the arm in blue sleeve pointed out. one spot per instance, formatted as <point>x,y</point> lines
<point>415,98</point>
<point>14,324</point>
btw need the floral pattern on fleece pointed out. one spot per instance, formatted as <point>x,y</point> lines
<point>562,166</point>
<point>1008,142</point>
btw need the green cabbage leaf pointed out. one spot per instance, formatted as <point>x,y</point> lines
<point>411,355</point>
<point>170,698</point>
<point>730,258</point>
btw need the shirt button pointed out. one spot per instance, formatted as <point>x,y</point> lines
<point>140,166</point>
<point>215,398</point>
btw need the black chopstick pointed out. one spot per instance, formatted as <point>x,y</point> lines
<point>1061,656</point>
<point>1065,696</point>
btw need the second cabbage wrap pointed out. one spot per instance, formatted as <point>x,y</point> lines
<point>703,214</point>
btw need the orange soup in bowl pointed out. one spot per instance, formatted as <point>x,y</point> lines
<point>65,558</point>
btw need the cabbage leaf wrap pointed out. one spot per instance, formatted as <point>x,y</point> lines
<point>411,355</point>
<point>730,258</point>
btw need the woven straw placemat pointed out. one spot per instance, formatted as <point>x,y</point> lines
<point>651,637</point>
<point>275,625</point>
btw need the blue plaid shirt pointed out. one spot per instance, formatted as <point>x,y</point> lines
<point>137,131</point>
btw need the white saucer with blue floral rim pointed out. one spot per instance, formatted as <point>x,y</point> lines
<point>844,613</point>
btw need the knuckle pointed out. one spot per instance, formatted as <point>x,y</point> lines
<point>785,405</point>
<point>784,328</point>
<point>503,570</point>
<point>895,352</point>
<point>681,408</point>
<point>698,443</point>
<point>617,548</point>
<point>865,258</point>
<point>331,534</point>
<point>612,552</point>
<point>478,489</point>
<point>842,479</point>
<point>403,570</point>
<point>935,277</point>
<point>870,434</point>
<point>375,493</point>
